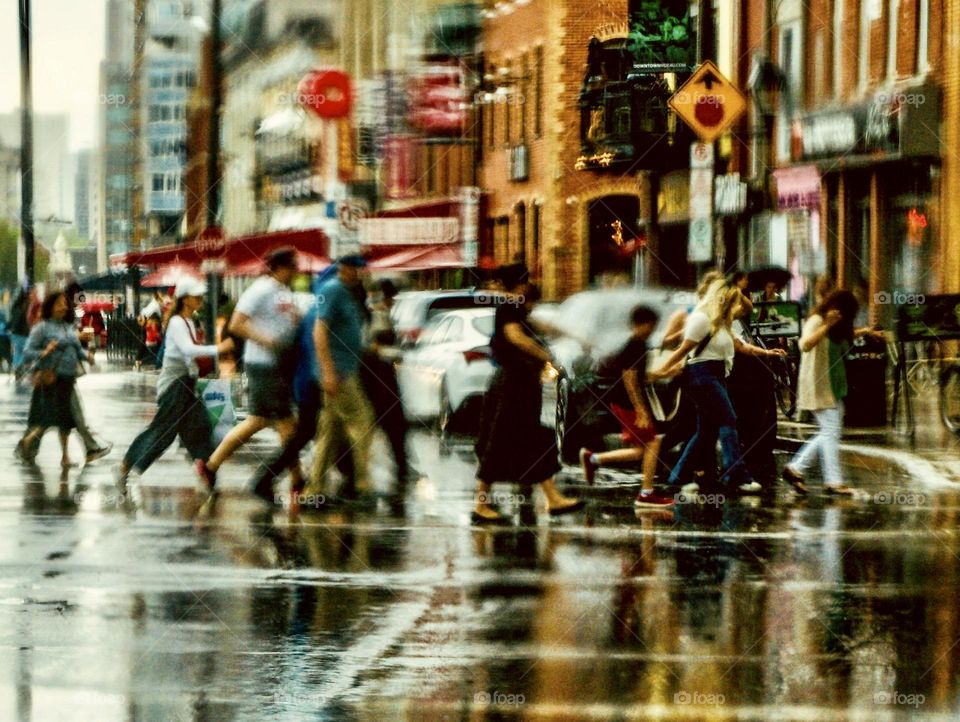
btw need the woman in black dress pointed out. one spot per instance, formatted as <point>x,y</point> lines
<point>53,348</point>
<point>513,446</point>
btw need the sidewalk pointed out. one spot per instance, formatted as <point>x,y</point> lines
<point>932,457</point>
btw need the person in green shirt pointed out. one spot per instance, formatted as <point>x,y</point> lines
<point>822,388</point>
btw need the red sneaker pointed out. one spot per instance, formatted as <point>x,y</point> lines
<point>207,478</point>
<point>653,500</point>
<point>589,467</point>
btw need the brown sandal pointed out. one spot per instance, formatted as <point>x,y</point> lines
<point>795,480</point>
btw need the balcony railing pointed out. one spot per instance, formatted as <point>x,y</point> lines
<point>628,122</point>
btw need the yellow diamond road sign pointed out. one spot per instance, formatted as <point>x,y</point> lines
<point>708,102</point>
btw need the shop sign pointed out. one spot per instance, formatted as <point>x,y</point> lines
<point>399,166</point>
<point>439,103</point>
<point>673,201</point>
<point>470,220</point>
<point>797,188</point>
<point>408,231</point>
<point>927,318</point>
<point>872,127</point>
<point>729,195</point>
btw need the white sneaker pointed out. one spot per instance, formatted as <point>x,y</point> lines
<point>750,488</point>
<point>690,489</point>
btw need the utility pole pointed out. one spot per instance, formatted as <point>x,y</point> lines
<point>136,91</point>
<point>137,205</point>
<point>26,144</point>
<point>213,161</point>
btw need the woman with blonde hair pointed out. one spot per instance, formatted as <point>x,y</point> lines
<point>708,347</point>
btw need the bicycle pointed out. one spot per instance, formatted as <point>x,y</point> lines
<point>785,369</point>
<point>950,396</point>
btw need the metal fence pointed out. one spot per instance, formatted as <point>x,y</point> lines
<point>125,338</point>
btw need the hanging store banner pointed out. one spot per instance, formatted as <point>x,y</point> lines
<point>399,166</point>
<point>797,188</point>
<point>439,104</point>
<point>408,231</point>
<point>346,160</point>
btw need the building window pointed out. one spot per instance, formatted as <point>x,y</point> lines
<point>923,38</point>
<point>524,94</point>
<point>490,114</point>
<point>837,63</point>
<point>535,239</point>
<point>520,256</point>
<point>819,68</point>
<point>502,238</point>
<point>157,182</point>
<point>863,59</point>
<point>508,99</point>
<point>538,91</point>
<point>790,62</point>
<point>893,8</point>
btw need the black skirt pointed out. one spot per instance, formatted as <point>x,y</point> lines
<point>512,445</point>
<point>50,405</point>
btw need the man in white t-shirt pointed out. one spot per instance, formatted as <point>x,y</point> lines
<point>266,317</point>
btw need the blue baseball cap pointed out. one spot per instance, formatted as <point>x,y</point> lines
<point>355,260</point>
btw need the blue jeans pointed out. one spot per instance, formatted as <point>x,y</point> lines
<point>715,420</point>
<point>19,343</point>
<point>826,444</point>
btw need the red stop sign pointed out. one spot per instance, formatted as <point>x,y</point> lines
<point>708,110</point>
<point>211,243</point>
<point>326,93</point>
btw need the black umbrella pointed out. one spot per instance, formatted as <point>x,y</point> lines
<point>759,277</point>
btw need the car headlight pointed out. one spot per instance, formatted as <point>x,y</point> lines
<point>549,373</point>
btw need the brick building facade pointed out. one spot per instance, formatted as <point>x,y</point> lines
<point>864,165</point>
<point>539,202</point>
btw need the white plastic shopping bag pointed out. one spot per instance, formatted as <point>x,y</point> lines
<point>218,399</point>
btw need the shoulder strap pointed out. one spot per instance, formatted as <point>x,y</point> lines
<point>189,330</point>
<point>702,345</point>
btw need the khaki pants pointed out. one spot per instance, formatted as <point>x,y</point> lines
<point>348,413</point>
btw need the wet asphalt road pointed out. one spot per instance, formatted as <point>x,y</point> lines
<point>752,609</point>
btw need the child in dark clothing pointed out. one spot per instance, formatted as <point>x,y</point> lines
<point>629,405</point>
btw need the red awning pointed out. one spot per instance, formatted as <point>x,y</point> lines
<point>170,274</point>
<point>414,257</point>
<point>306,263</point>
<point>236,252</point>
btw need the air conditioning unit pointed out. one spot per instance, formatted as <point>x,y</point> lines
<point>517,159</point>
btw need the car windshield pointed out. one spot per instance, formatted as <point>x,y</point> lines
<point>484,324</point>
<point>407,312</point>
<point>447,303</point>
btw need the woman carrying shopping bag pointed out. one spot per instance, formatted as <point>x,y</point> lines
<point>54,351</point>
<point>180,411</point>
<point>822,387</point>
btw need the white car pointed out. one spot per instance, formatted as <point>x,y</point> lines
<point>449,369</point>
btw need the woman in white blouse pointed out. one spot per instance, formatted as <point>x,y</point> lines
<point>180,411</point>
<point>708,348</point>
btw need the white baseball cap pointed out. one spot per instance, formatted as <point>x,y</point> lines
<point>190,287</point>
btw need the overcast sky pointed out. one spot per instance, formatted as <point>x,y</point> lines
<point>67,50</point>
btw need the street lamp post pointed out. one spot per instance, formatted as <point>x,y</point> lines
<point>26,144</point>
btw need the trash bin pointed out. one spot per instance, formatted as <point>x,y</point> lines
<point>866,402</point>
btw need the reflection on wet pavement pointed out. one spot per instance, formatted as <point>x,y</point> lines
<point>772,609</point>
